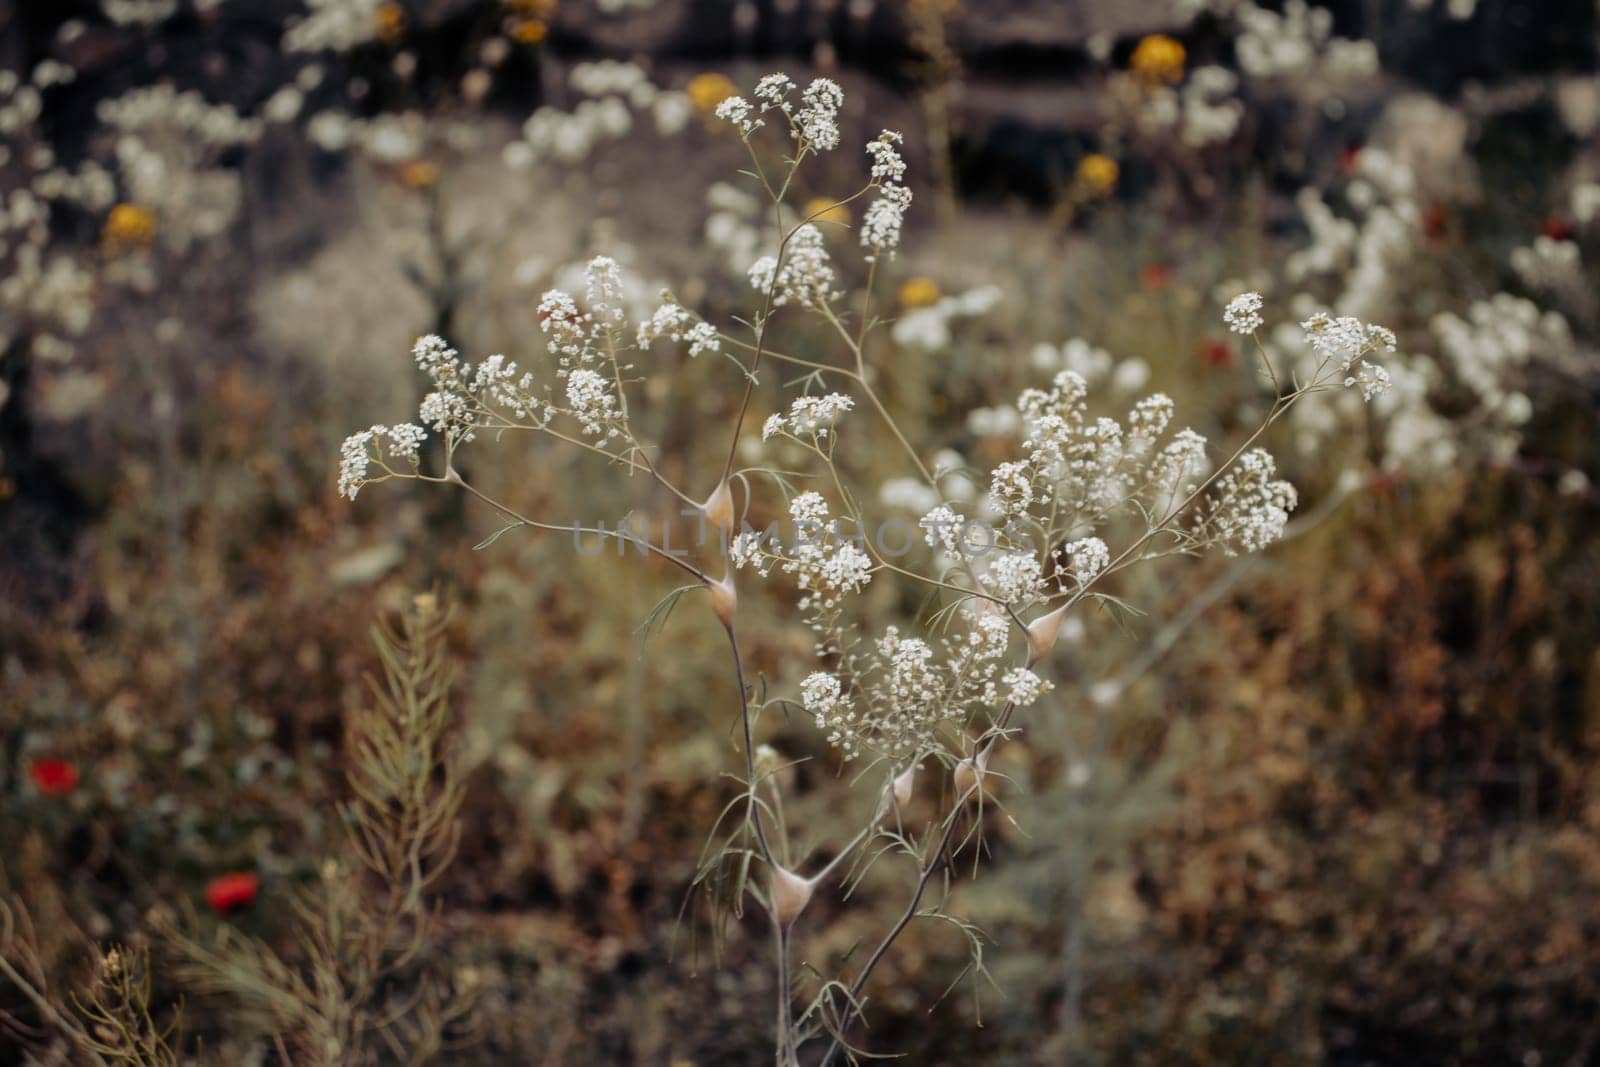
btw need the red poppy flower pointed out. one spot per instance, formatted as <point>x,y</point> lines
<point>53,777</point>
<point>226,892</point>
<point>1155,277</point>
<point>1435,220</point>
<point>1349,159</point>
<point>1386,485</point>
<point>1556,228</point>
<point>1213,353</point>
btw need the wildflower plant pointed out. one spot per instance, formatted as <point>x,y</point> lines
<point>1087,495</point>
<point>357,984</point>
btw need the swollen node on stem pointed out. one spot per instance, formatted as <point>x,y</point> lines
<point>790,894</point>
<point>972,773</point>
<point>718,508</point>
<point>1043,632</point>
<point>724,600</point>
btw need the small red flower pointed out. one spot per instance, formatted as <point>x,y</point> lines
<point>1213,353</point>
<point>226,892</point>
<point>1435,221</point>
<point>1155,277</point>
<point>1349,159</point>
<point>53,777</point>
<point>1556,228</point>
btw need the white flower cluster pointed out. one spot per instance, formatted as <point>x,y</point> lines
<point>1019,686</point>
<point>929,328</point>
<point>1340,341</point>
<point>1015,577</point>
<point>885,216</point>
<point>825,564</point>
<point>1373,380</point>
<point>46,296</point>
<point>1549,265</point>
<point>813,122</point>
<point>333,26</point>
<point>822,695</point>
<point>1087,557</point>
<point>593,403</point>
<point>1011,488</point>
<point>808,416</point>
<point>805,276</point>
<point>906,692</point>
<point>139,12</point>
<point>378,444</point>
<point>677,323</point>
<point>1297,46</point>
<point>1204,111</point>
<point>1248,507</point>
<point>167,146</point>
<point>1243,313</point>
<point>888,168</point>
<point>613,93</point>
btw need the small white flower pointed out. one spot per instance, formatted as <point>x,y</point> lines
<point>1243,313</point>
<point>887,165</point>
<point>816,123</point>
<point>735,110</point>
<point>885,217</point>
<point>1373,380</point>
<point>1015,577</point>
<point>359,450</point>
<point>942,528</point>
<point>1088,558</point>
<point>809,416</point>
<point>592,402</point>
<point>1011,488</point>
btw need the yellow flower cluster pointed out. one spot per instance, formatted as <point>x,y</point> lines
<point>1097,174</point>
<point>418,174</point>
<point>825,209</point>
<point>1158,59</point>
<point>919,292</point>
<point>128,227</point>
<point>390,21</point>
<point>708,90</point>
<point>529,31</point>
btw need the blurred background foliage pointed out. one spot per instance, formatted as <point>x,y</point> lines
<point>1350,817</point>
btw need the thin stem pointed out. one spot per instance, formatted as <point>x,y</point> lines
<point>786,1048</point>
<point>452,478</point>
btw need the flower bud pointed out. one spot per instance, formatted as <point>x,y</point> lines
<point>719,508</point>
<point>1042,634</point>
<point>790,894</point>
<point>724,601</point>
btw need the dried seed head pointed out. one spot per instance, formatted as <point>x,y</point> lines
<point>719,508</point>
<point>724,601</point>
<point>790,894</point>
<point>1042,634</point>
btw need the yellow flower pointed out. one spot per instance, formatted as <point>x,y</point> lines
<point>390,21</point>
<point>1158,58</point>
<point>826,209</point>
<point>919,292</point>
<point>418,174</point>
<point>708,90</point>
<point>129,226</point>
<point>1097,174</point>
<point>529,31</point>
